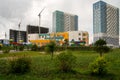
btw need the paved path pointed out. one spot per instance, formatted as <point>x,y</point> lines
<point>10,51</point>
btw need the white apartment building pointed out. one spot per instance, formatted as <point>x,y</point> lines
<point>79,36</point>
<point>33,37</point>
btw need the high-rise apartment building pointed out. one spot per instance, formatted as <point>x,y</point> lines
<point>106,23</point>
<point>64,22</point>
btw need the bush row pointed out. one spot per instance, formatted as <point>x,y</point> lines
<point>6,49</point>
<point>58,48</point>
<point>81,48</point>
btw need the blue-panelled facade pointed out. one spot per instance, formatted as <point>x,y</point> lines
<point>58,21</point>
<point>99,17</point>
<point>64,22</point>
<point>106,23</point>
<point>76,22</point>
<point>118,20</point>
<point>103,16</point>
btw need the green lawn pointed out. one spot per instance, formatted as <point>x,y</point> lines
<point>43,68</point>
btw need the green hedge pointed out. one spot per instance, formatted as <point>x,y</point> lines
<point>84,48</point>
<point>62,48</point>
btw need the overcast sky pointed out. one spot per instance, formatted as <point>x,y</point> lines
<point>26,11</point>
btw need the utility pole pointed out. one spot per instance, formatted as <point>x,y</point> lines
<point>40,18</point>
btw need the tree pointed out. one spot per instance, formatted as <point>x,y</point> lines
<point>100,47</point>
<point>50,48</point>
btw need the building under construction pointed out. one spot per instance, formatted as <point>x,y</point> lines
<point>31,29</point>
<point>16,35</point>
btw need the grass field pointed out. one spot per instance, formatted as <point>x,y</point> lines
<point>43,68</point>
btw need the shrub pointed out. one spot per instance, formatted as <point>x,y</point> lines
<point>99,66</point>
<point>0,46</point>
<point>6,49</point>
<point>4,66</point>
<point>15,47</point>
<point>28,47</point>
<point>34,47</point>
<point>20,65</point>
<point>47,49</point>
<point>42,48</point>
<point>66,61</point>
<point>21,47</point>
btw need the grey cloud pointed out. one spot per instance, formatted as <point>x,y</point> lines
<point>11,12</point>
<point>14,8</point>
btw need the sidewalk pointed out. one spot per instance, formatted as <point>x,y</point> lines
<point>9,52</point>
